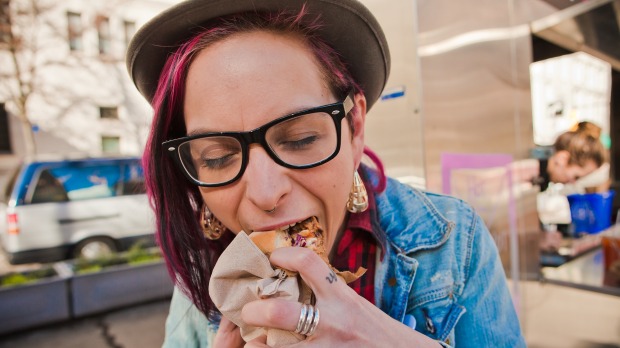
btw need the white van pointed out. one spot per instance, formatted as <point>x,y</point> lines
<point>54,210</point>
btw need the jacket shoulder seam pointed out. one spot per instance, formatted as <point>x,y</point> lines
<point>471,236</point>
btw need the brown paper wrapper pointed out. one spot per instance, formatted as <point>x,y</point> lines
<point>243,274</point>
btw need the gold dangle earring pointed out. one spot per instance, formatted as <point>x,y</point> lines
<point>211,226</point>
<point>358,197</point>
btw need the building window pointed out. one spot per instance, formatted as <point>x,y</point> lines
<point>74,21</point>
<point>5,22</point>
<point>5,139</point>
<point>110,144</point>
<point>130,29</point>
<point>103,28</point>
<point>108,112</point>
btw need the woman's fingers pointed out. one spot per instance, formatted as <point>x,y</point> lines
<point>227,326</point>
<point>331,292</point>
<point>274,313</point>
<point>228,335</point>
<point>315,272</point>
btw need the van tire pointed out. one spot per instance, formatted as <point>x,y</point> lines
<point>95,247</point>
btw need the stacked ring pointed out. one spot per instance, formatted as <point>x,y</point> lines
<point>308,320</point>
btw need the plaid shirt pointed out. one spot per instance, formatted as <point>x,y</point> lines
<point>358,248</point>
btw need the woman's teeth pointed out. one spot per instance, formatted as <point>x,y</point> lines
<point>286,228</point>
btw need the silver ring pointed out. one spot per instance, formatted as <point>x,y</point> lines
<point>308,320</point>
<point>272,210</point>
<point>315,322</point>
<point>302,318</point>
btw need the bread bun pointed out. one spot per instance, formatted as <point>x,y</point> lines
<point>269,241</point>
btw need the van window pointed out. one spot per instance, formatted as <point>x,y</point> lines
<point>133,180</point>
<point>78,182</point>
<point>48,189</point>
<point>88,182</point>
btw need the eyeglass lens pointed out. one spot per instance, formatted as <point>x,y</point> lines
<point>298,142</point>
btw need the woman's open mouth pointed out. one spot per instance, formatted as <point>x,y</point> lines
<point>305,233</point>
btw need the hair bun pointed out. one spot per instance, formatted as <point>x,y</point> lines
<point>587,128</point>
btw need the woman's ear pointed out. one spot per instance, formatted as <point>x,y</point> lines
<point>358,121</point>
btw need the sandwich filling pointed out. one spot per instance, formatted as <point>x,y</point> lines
<point>306,234</point>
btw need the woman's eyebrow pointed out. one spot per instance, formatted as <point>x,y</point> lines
<point>297,109</point>
<point>302,108</point>
<point>288,112</point>
<point>201,131</point>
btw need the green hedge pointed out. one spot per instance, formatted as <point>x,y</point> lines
<point>21,278</point>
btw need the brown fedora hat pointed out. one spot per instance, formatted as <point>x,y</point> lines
<point>347,25</point>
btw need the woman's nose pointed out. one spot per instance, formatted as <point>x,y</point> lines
<point>266,181</point>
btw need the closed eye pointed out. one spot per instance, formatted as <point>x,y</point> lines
<point>218,163</point>
<point>301,144</point>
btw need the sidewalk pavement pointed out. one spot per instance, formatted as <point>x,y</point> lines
<point>140,326</point>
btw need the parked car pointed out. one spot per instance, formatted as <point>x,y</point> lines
<point>54,210</point>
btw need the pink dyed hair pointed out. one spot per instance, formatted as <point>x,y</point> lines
<point>176,201</point>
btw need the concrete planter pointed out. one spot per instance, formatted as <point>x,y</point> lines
<point>119,286</point>
<point>34,304</point>
<point>67,295</point>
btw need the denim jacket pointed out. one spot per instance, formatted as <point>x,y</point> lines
<point>440,266</point>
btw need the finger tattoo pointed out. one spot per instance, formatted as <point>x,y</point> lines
<point>331,278</point>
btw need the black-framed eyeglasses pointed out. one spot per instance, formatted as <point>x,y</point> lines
<point>304,139</point>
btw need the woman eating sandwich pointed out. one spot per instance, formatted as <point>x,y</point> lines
<point>259,111</point>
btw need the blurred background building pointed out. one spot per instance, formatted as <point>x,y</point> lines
<point>64,88</point>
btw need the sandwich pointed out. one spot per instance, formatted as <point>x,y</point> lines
<point>305,234</point>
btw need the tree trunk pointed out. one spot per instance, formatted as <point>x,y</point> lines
<point>24,85</point>
<point>30,147</point>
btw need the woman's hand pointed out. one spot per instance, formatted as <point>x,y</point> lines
<point>228,335</point>
<point>550,241</point>
<point>346,319</point>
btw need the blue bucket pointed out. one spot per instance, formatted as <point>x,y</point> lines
<point>591,212</point>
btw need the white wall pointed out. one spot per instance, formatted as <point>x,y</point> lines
<point>394,126</point>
